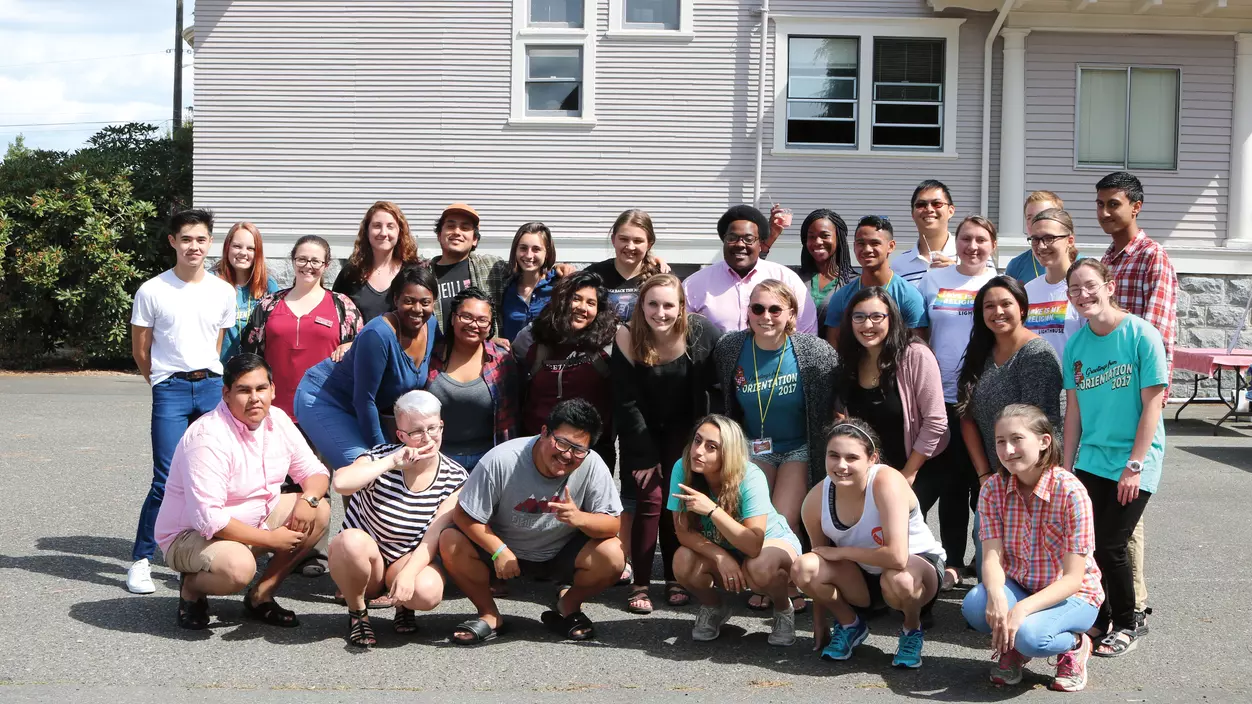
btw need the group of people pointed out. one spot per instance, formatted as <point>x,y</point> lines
<point>777,434</point>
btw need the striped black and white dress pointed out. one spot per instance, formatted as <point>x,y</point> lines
<point>395,517</point>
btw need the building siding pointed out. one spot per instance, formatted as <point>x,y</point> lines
<point>1185,207</point>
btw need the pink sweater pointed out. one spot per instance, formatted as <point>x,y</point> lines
<point>921,395</point>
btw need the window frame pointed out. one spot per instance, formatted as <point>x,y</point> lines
<point>866,30</point>
<point>618,28</point>
<point>525,36</point>
<point>1128,68</point>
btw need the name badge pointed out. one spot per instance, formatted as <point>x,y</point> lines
<point>323,321</point>
<point>762,446</point>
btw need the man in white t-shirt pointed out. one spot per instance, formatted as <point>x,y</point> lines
<point>177,324</point>
<point>932,209</point>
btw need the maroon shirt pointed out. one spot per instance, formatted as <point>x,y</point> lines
<point>562,377</point>
<point>292,345</point>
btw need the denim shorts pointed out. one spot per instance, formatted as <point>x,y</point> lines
<point>778,459</point>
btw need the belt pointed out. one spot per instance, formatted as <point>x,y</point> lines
<point>197,375</point>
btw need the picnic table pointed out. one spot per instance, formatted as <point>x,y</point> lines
<point>1209,363</point>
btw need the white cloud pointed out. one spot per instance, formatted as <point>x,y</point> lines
<point>69,67</point>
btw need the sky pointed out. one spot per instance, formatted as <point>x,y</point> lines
<point>71,67</point>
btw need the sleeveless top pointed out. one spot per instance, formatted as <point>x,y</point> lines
<point>867,532</point>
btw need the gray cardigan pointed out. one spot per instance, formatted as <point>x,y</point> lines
<point>817,361</point>
<point>1032,375</point>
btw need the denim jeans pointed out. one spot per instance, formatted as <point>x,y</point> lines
<point>1043,633</point>
<point>332,429</point>
<point>467,461</point>
<point>176,403</point>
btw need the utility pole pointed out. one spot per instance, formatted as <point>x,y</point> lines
<point>178,65</point>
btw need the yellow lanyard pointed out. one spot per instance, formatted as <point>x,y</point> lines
<point>757,377</point>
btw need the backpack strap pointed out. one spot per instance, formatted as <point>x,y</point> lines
<point>542,352</point>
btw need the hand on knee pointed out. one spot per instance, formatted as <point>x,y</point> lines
<point>804,570</point>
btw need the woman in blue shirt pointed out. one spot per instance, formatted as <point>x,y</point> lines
<point>528,289</point>
<point>346,407</point>
<point>1115,374</point>
<point>243,266</point>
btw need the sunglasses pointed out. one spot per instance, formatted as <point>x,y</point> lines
<point>775,311</point>
<point>932,204</point>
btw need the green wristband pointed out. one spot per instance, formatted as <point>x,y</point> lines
<point>498,551</point>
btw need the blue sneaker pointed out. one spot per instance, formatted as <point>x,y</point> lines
<point>909,650</point>
<point>844,638</point>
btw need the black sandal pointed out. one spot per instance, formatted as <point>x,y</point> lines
<point>193,615</point>
<point>405,620</point>
<point>1117,643</point>
<point>270,612</point>
<point>576,626</point>
<point>478,630</point>
<point>360,632</point>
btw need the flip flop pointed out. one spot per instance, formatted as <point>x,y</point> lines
<point>270,612</point>
<point>676,596</point>
<point>479,631</point>
<point>765,603</point>
<point>576,626</point>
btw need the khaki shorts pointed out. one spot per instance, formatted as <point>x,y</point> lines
<point>190,552</point>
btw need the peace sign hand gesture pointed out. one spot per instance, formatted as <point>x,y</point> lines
<point>695,502</point>
<point>566,510</point>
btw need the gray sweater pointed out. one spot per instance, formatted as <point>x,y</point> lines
<point>1032,375</point>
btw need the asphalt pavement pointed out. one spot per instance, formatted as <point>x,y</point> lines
<point>75,465</point>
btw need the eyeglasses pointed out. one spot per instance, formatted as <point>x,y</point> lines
<point>576,451</point>
<point>774,311</point>
<point>875,318</point>
<point>431,432</point>
<point>934,204</point>
<point>467,319</point>
<point>1045,240</point>
<point>1089,290</point>
<point>305,261</point>
<point>744,239</point>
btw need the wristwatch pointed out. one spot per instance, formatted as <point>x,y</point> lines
<point>1135,466</point>
<point>313,500</point>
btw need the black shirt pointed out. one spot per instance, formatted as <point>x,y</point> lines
<point>882,409</point>
<point>370,302</point>
<point>623,292</point>
<point>453,278</point>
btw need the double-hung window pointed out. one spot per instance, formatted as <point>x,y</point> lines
<point>1127,117</point>
<point>652,19</point>
<point>865,86</point>
<point>553,62</point>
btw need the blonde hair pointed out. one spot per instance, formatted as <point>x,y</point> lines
<point>642,339</point>
<point>1061,218</point>
<point>784,292</point>
<point>734,465</point>
<point>1043,197</point>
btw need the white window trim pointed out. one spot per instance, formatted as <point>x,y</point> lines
<point>1079,166</point>
<point>866,29</point>
<point>685,32</point>
<point>524,36</point>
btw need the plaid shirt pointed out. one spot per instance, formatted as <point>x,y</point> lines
<point>1039,529</point>
<point>500,373</point>
<point>1146,285</point>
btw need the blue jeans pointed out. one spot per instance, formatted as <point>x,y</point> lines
<point>332,429</point>
<point>176,404</point>
<point>467,461</point>
<point>1043,633</point>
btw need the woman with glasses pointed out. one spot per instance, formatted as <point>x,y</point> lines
<point>1115,374</point>
<point>1052,242</point>
<point>243,266</point>
<point>825,259</point>
<point>297,327</point>
<point>890,379</point>
<point>475,380</point>
<point>777,383</point>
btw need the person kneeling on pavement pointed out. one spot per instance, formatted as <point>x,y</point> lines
<point>540,507</point>
<point>223,502</point>
<point>400,498</point>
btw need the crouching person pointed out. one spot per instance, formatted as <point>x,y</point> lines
<point>223,505</point>
<point>871,547</point>
<point>400,498</point>
<point>539,507</point>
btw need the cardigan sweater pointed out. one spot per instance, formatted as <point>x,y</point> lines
<point>921,396</point>
<point>817,362</point>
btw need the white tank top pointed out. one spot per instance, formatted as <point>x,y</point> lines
<point>867,532</point>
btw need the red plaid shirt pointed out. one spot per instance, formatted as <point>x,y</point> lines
<point>1145,284</point>
<point>1039,529</point>
<point>500,373</point>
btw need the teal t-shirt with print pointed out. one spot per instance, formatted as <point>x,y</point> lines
<point>753,501</point>
<point>1108,373</point>
<point>785,419</point>
<point>911,304</point>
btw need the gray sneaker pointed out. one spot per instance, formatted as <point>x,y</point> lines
<point>709,622</point>
<point>784,631</point>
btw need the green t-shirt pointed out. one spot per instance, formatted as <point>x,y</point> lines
<point>1109,372</point>
<point>753,501</point>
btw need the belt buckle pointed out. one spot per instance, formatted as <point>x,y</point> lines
<point>200,375</point>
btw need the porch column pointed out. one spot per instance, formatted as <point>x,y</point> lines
<point>1239,219</point>
<point>1013,134</point>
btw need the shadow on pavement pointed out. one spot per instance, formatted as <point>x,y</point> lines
<point>1237,457</point>
<point>1201,428</point>
<point>96,546</point>
<point>74,567</point>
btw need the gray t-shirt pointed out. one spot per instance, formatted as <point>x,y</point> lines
<point>1032,375</point>
<point>469,414</point>
<point>507,492</point>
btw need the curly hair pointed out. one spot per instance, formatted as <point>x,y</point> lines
<point>362,263</point>
<point>552,327</point>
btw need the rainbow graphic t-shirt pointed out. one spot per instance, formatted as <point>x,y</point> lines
<point>956,301</point>
<point>1050,315</point>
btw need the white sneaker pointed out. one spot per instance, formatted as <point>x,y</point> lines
<point>139,578</point>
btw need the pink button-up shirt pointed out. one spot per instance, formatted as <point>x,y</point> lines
<point>222,470</point>
<point>722,296</point>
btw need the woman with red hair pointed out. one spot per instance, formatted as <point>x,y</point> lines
<point>384,244</point>
<point>243,266</point>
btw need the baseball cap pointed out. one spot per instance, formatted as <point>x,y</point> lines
<point>462,207</point>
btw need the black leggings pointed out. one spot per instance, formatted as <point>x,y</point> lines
<point>948,478</point>
<point>1113,525</point>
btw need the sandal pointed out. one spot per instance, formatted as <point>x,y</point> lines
<point>628,575</point>
<point>1117,643</point>
<point>639,602</point>
<point>576,626</point>
<point>360,632</point>
<point>676,595</point>
<point>799,603</point>
<point>760,602</point>
<point>478,630</point>
<point>405,620</point>
<point>270,612</point>
<point>193,615</point>
<point>314,566</point>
